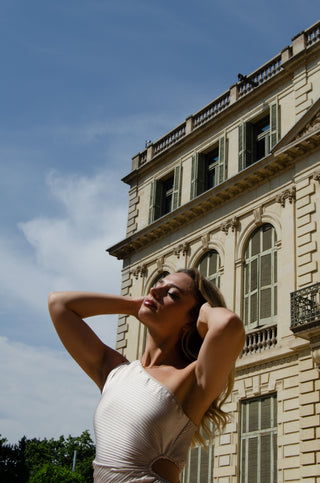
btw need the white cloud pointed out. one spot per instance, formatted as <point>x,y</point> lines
<point>66,252</point>
<point>43,393</point>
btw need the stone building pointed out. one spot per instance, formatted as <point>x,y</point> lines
<point>235,190</point>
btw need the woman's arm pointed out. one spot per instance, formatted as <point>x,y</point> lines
<point>67,309</point>
<point>224,336</point>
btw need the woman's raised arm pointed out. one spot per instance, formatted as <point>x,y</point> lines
<point>224,336</point>
<point>67,310</point>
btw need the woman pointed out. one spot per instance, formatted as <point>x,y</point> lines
<point>151,410</point>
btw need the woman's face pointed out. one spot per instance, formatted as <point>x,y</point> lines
<point>169,302</point>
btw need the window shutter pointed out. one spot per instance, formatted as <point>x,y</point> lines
<point>198,172</point>
<point>245,145</point>
<point>274,124</point>
<point>176,188</point>
<point>222,159</point>
<point>155,201</point>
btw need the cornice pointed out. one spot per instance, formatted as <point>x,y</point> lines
<point>208,201</point>
<point>306,141</point>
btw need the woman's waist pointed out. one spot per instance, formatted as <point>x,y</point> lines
<point>124,474</point>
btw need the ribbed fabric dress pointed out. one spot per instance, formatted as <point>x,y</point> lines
<point>138,421</point>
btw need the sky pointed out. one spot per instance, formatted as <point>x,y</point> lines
<point>83,85</point>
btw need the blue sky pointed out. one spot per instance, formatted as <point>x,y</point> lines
<point>83,85</point>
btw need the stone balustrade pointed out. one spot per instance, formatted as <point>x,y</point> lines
<point>238,91</point>
<point>260,340</point>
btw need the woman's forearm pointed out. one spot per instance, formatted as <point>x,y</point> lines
<point>88,304</point>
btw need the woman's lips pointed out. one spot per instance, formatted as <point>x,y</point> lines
<point>149,302</point>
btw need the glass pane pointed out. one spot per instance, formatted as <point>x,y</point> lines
<point>255,243</point>
<point>265,303</point>
<point>253,308</point>
<point>275,267</point>
<point>253,460</point>
<point>265,272</point>
<point>246,278</point>
<point>275,415</point>
<point>275,458</point>
<point>265,458</point>
<point>202,266</point>
<point>204,466</point>
<point>254,415</point>
<point>266,413</point>
<point>243,460</point>
<point>193,475</point>
<point>213,263</point>
<point>246,311</point>
<point>253,275</point>
<point>267,237</point>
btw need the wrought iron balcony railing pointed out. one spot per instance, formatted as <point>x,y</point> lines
<point>305,308</point>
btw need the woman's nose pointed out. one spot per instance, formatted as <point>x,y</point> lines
<point>155,292</point>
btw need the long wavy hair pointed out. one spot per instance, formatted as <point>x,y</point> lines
<point>215,419</point>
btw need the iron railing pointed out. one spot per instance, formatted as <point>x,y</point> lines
<point>305,307</point>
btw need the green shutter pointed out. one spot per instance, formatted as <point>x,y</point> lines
<point>245,145</point>
<point>155,200</point>
<point>274,124</point>
<point>176,187</point>
<point>198,173</point>
<point>222,159</point>
<point>242,147</point>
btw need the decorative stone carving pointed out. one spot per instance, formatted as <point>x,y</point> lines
<point>257,214</point>
<point>160,263</point>
<point>141,271</point>
<point>316,175</point>
<point>232,223</point>
<point>182,248</point>
<point>205,241</point>
<point>288,194</point>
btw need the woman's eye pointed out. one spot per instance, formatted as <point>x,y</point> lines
<point>173,295</point>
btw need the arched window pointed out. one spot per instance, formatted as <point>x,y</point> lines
<point>260,278</point>
<point>209,265</point>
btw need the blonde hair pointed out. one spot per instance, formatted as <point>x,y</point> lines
<point>205,291</point>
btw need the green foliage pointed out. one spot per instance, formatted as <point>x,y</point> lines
<point>47,460</point>
<point>56,474</point>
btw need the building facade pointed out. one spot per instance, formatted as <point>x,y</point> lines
<point>235,191</point>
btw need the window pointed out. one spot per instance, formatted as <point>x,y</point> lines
<point>260,278</point>
<point>209,265</point>
<point>258,439</point>
<point>208,169</point>
<point>199,468</point>
<point>165,195</point>
<point>256,139</point>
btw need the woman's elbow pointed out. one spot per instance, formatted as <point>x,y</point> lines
<point>54,301</point>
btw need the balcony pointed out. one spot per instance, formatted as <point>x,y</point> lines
<point>305,311</point>
<point>260,340</point>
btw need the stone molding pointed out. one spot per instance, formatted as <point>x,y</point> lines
<point>288,194</point>
<point>182,248</point>
<point>232,223</point>
<point>141,271</point>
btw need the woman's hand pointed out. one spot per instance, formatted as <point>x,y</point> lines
<point>202,322</point>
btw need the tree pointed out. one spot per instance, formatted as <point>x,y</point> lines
<point>56,474</point>
<point>38,458</point>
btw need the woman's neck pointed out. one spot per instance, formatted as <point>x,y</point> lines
<point>165,354</point>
